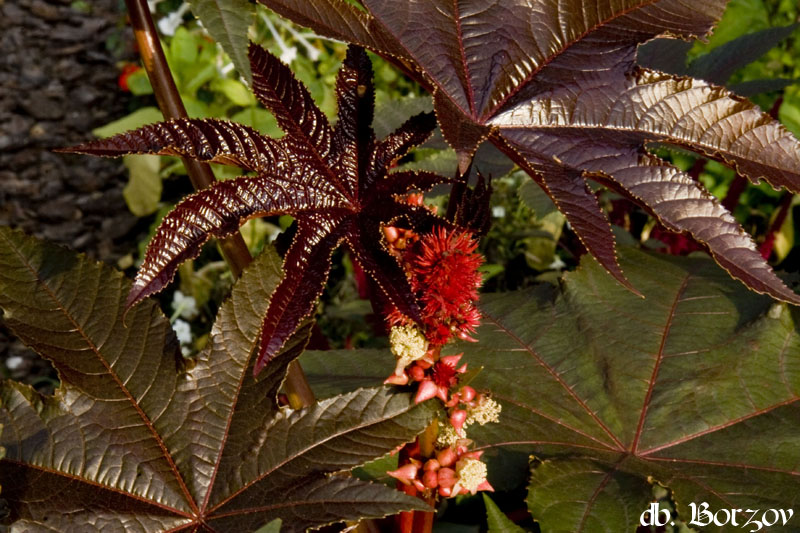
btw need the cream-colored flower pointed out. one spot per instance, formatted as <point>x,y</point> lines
<point>408,345</point>
<point>471,474</point>
<point>485,410</point>
<point>448,435</point>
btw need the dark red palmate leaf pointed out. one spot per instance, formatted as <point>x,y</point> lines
<point>333,181</point>
<point>555,86</point>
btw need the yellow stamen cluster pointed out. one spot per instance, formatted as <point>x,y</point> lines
<point>408,344</point>
<point>485,410</point>
<point>471,473</point>
<point>448,435</point>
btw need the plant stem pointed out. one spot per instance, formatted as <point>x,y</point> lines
<point>423,520</point>
<point>234,249</point>
<point>783,211</point>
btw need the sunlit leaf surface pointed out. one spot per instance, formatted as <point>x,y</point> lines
<point>334,181</point>
<point>696,387</point>
<point>136,440</point>
<point>555,86</point>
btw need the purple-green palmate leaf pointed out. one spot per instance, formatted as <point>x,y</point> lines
<point>696,387</point>
<point>333,180</point>
<point>134,439</point>
<point>540,79</point>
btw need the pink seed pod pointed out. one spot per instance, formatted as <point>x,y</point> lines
<point>464,336</point>
<point>467,394</point>
<point>441,393</point>
<point>427,361</point>
<point>431,465</point>
<point>472,455</point>
<point>445,492</point>
<point>394,379</point>
<point>447,477</point>
<point>485,486</point>
<point>458,418</point>
<point>430,479</point>
<point>451,360</point>
<point>427,390</point>
<point>405,474</point>
<point>454,400</point>
<point>447,457</point>
<point>417,373</point>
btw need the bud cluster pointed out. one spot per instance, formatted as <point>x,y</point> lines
<point>442,268</point>
<point>452,472</point>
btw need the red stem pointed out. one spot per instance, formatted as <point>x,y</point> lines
<point>731,200</point>
<point>769,243</point>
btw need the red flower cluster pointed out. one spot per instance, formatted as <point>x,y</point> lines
<point>443,267</point>
<point>443,272</point>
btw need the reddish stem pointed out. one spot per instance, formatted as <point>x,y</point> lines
<point>404,522</point>
<point>697,168</point>
<point>731,200</point>
<point>769,243</point>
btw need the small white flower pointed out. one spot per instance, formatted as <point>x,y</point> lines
<point>498,211</point>
<point>169,24</point>
<point>311,51</point>
<point>183,331</point>
<point>184,306</point>
<point>14,362</point>
<point>288,53</point>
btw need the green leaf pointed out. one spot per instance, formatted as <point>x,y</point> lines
<point>536,199</point>
<point>561,492</point>
<point>332,372</point>
<point>184,49</point>
<point>785,236</point>
<point>272,527</point>
<point>740,17</point>
<point>135,436</point>
<point>789,112</point>
<point>139,84</point>
<point>391,113</point>
<point>235,91</point>
<point>143,190</point>
<point>227,22</point>
<point>696,387</point>
<point>260,119</point>
<point>720,64</point>
<point>140,117</point>
<point>497,521</point>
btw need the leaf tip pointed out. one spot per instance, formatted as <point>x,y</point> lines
<point>137,293</point>
<point>264,357</point>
